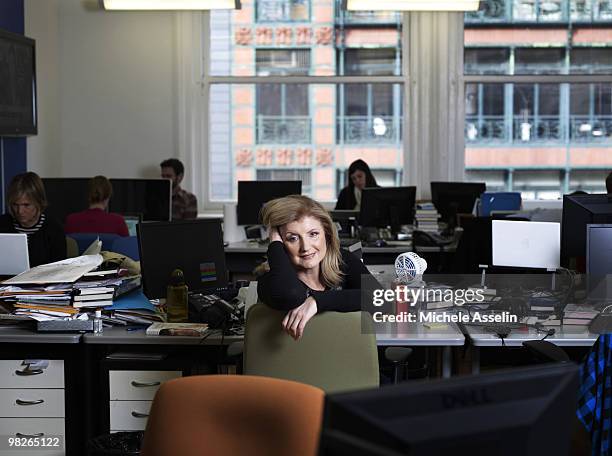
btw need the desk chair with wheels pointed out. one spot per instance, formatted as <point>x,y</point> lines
<point>84,240</point>
<point>335,353</point>
<point>128,246</point>
<point>233,415</point>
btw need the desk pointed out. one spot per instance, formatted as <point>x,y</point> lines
<point>418,335</point>
<point>565,336</point>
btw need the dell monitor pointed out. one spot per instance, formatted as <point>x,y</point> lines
<point>452,198</point>
<point>193,246</point>
<point>578,212</point>
<point>599,262</point>
<point>252,195</point>
<point>382,207</point>
<point>526,411</point>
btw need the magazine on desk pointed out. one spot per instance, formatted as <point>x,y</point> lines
<point>177,329</point>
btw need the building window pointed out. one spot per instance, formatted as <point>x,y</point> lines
<point>536,132</point>
<point>369,113</point>
<point>283,114</point>
<point>282,10</point>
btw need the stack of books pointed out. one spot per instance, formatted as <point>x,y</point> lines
<point>103,290</point>
<point>38,302</point>
<point>426,218</point>
<point>579,315</point>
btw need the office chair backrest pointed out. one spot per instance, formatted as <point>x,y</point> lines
<point>127,246</point>
<point>499,201</point>
<point>84,240</point>
<point>72,248</point>
<point>233,415</point>
<point>335,353</point>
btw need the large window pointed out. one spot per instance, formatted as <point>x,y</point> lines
<point>283,102</point>
<point>538,95</point>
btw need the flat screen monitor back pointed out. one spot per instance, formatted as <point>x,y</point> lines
<point>150,197</point>
<point>387,206</point>
<point>578,212</point>
<point>194,246</point>
<point>523,411</point>
<point>599,262</point>
<point>65,195</point>
<point>526,244</point>
<point>252,195</point>
<point>452,198</point>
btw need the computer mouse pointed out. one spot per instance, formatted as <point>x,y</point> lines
<point>380,243</point>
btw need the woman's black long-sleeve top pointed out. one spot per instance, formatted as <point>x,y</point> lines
<point>281,289</point>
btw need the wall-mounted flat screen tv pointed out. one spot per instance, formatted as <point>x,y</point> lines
<point>17,85</point>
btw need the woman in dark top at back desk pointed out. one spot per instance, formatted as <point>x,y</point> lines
<point>26,203</point>
<point>360,177</point>
<point>308,271</point>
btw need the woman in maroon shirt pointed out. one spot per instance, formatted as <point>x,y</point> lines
<point>97,219</point>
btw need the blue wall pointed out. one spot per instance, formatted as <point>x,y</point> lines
<point>12,150</point>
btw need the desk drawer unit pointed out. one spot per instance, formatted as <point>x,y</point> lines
<point>129,415</point>
<point>32,403</point>
<point>43,432</point>
<point>137,385</point>
<point>32,407</point>
<point>131,395</point>
<point>15,374</point>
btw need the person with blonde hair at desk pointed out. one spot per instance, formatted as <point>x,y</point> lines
<point>308,272</point>
<point>27,202</point>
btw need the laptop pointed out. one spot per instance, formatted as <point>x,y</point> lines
<point>14,259</point>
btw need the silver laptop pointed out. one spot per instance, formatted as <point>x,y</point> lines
<point>14,257</point>
<point>526,244</point>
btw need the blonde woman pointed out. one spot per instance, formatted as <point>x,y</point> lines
<point>309,273</point>
<point>27,202</point>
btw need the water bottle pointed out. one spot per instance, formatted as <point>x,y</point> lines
<point>97,323</point>
<point>176,298</point>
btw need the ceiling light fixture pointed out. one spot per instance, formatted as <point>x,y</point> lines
<point>168,5</point>
<point>411,5</point>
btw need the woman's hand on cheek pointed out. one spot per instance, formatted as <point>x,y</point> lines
<point>296,319</point>
<point>273,234</point>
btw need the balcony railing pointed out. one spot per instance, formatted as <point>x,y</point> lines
<point>283,130</point>
<point>591,128</point>
<point>541,11</point>
<point>369,130</point>
<point>549,129</point>
<point>283,10</point>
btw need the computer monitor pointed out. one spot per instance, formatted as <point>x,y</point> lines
<point>387,206</point>
<point>15,257</point>
<point>132,221</point>
<point>578,212</point>
<point>599,249</point>
<point>252,195</point>
<point>65,195</point>
<point>526,411</point>
<point>194,246</point>
<point>150,197</point>
<point>346,220</point>
<point>526,244</point>
<point>452,198</point>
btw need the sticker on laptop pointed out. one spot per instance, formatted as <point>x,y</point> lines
<point>208,272</point>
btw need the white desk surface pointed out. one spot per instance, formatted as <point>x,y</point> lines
<point>565,336</point>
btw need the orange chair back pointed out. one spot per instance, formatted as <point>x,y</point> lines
<point>234,415</point>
